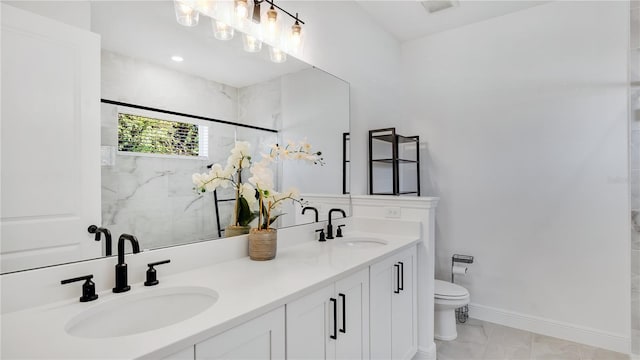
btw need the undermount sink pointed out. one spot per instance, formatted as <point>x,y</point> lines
<point>360,242</point>
<point>139,312</point>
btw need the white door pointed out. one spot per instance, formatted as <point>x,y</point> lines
<point>260,338</point>
<point>403,311</point>
<point>311,326</point>
<point>353,316</point>
<point>50,141</point>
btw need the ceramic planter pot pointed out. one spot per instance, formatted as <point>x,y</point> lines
<point>262,244</point>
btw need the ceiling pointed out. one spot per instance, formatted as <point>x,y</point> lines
<point>409,20</point>
<point>148,30</point>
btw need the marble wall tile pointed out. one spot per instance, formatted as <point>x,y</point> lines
<point>635,310</point>
<point>261,104</point>
<point>634,150</point>
<point>635,270</point>
<point>635,26</point>
<point>108,125</point>
<point>140,82</point>
<point>634,185</point>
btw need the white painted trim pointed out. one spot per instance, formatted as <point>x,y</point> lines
<point>407,201</point>
<point>333,199</point>
<point>558,329</point>
<point>426,353</point>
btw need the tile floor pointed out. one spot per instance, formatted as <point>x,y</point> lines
<point>487,341</point>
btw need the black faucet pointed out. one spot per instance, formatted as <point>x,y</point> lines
<point>329,226</point>
<point>311,208</point>
<point>121,269</point>
<point>107,237</point>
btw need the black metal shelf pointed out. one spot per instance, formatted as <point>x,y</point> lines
<point>390,161</point>
<point>389,135</point>
<point>400,193</point>
<point>346,162</point>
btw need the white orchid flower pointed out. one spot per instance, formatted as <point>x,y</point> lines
<point>248,192</point>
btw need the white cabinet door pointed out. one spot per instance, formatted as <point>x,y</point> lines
<point>260,338</point>
<point>331,323</point>
<point>382,286</point>
<point>353,317</point>
<point>50,141</point>
<point>311,326</point>
<point>393,305</point>
<point>404,308</point>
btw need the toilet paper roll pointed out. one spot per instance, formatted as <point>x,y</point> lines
<point>460,270</point>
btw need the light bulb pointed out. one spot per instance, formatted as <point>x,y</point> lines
<point>296,38</point>
<point>277,55</point>
<point>251,43</point>
<point>185,15</point>
<point>272,24</point>
<point>221,30</point>
<point>242,9</point>
<point>205,6</point>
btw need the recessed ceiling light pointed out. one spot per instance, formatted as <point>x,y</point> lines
<point>177,58</point>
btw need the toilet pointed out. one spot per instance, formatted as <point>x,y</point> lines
<point>448,297</point>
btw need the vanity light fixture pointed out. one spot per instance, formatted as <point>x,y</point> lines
<point>185,14</point>
<point>222,30</point>
<point>235,15</point>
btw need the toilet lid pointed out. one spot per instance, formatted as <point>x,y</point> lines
<point>443,289</point>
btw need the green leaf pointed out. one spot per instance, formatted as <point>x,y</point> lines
<point>245,215</point>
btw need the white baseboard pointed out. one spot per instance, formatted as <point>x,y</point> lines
<point>426,353</point>
<point>562,330</point>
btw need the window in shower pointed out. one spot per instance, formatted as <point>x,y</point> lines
<point>142,134</point>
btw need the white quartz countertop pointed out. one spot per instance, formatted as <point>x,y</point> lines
<point>246,289</point>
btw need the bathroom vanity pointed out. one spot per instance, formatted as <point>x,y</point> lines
<point>351,297</point>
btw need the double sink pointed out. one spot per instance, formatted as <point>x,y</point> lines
<point>157,308</point>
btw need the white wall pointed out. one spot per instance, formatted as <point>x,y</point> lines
<point>342,39</point>
<point>525,120</point>
<point>76,13</point>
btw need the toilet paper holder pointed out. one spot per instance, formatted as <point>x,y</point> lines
<point>462,313</point>
<point>458,258</point>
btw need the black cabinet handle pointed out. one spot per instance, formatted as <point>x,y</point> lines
<point>344,313</point>
<point>335,319</point>
<point>397,290</point>
<point>401,287</point>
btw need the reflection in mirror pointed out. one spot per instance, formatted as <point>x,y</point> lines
<point>216,95</point>
<point>256,100</point>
